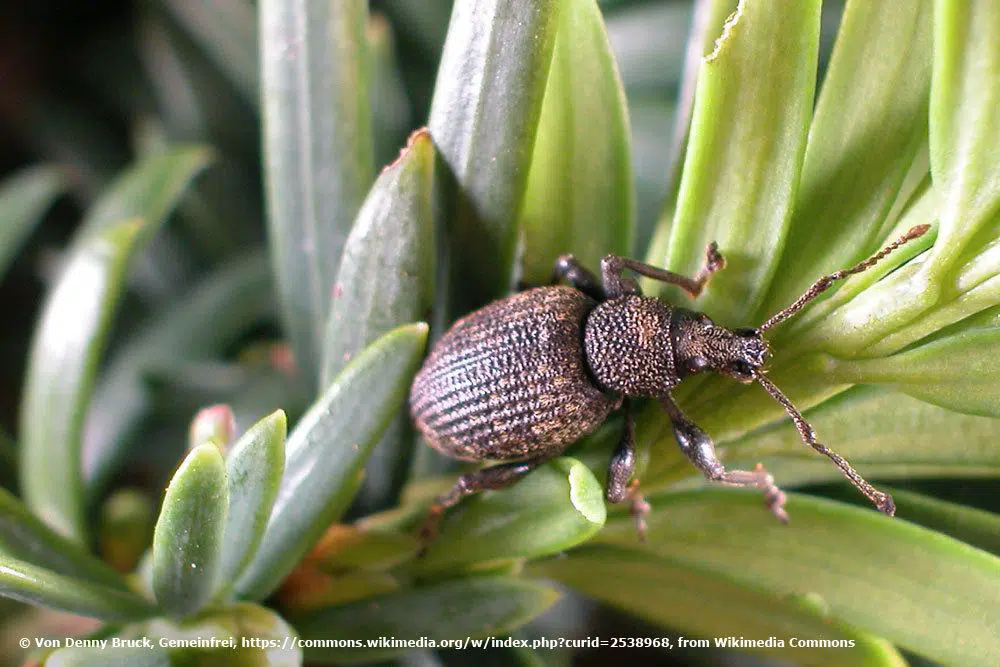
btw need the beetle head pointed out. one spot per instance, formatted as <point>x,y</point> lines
<point>702,345</point>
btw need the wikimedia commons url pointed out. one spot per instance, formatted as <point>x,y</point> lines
<point>466,643</point>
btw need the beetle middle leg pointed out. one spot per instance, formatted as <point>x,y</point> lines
<point>700,449</point>
<point>495,477</point>
<point>616,284</point>
<point>620,470</point>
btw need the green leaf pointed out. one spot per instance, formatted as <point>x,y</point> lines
<point>149,189</point>
<point>188,540</point>
<point>61,370</point>
<point>24,198</point>
<point>960,372</point>
<point>680,595</point>
<point>35,585</point>
<point>973,526</point>
<point>580,195</point>
<point>553,509</point>
<point>476,607</point>
<point>919,589</point>
<point>84,299</point>
<point>869,122</point>
<point>748,137</point>
<point>226,31</point>
<point>386,279</point>
<point>210,317</point>
<point>484,118</point>
<point>318,152</point>
<point>964,125</point>
<point>386,273</point>
<point>253,470</point>
<point>327,450</point>
<point>23,536</point>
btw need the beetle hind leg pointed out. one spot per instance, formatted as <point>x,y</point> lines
<point>700,449</point>
<point>495,477</point>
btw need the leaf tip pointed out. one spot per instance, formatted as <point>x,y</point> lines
<point>727,31</point>
<point>418,139</point>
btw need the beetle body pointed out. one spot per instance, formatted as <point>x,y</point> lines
<point>510,381</point>
<point>522,378</point>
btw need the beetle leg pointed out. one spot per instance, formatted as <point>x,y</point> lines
<point>620,470</point>
<point>615,284</point>
<point>569,269</point>
<point>698,447</point>
<point>495,477</point>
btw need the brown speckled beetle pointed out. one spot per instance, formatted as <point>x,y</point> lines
<point>522,378</point>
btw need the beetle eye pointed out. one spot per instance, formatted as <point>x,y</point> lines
<point>742,368</point>
<point>696,364</point>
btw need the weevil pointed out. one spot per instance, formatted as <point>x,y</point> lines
<point>519,380</point>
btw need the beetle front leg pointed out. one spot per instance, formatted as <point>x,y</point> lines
<point>492,478</point>
<point>620,471</point>
<point>615,284</point>
<point>700,449</point>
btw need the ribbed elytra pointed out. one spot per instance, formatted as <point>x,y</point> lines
<point>522,378</point>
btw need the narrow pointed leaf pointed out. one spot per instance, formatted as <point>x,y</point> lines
<point>474,607</point>
<point>61,371</point>
<point>29,583</point>
<point>188,540</point>
<point>149,189</point>
<point>964,124</point>
<point>326,451</point>
<point>580,196</point>
<point>484,118</point>
<point>253,471</point>
<point>211,316</point>
<point>921,590</point>
<point>748,137</point>
<point>386,279</point>
<point>386,273</point>
<point>24,537</point>
<point>24,198</point>
<point>318,152</point>
<point>557,507</point>
<point>226,31</point>
<point>870,119</point>
<point>683,596</point>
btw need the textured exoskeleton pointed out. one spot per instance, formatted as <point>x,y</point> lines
<point>522,378</point>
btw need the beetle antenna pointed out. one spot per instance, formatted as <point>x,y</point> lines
<point>880,499</point>
<point>825,282</point>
